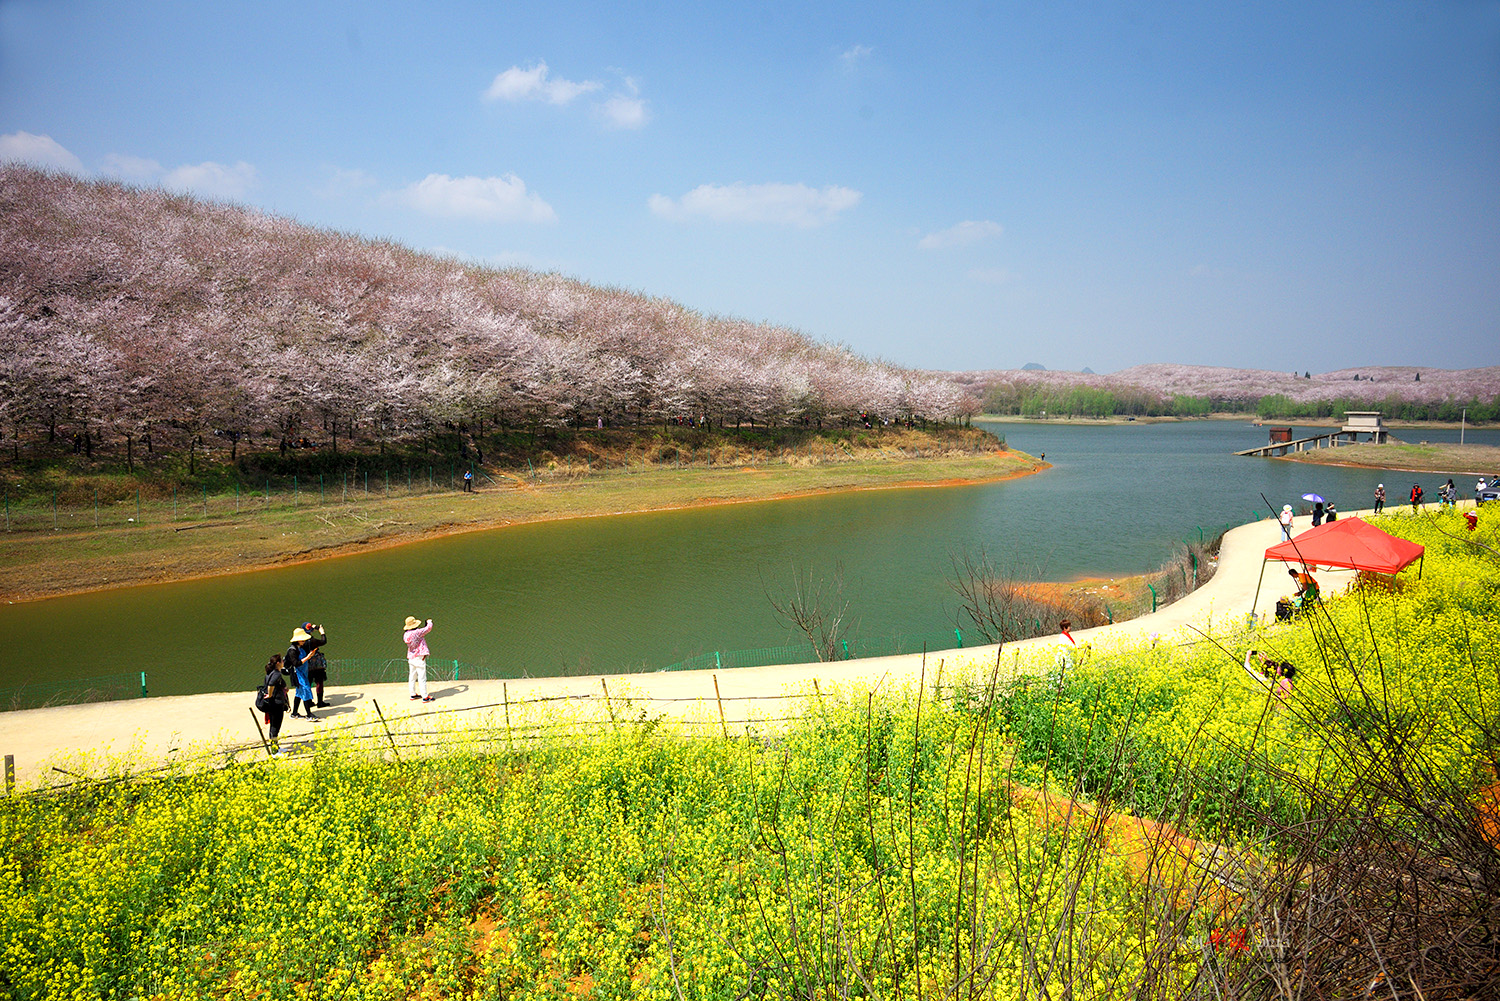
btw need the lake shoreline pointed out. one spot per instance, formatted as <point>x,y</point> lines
<point>220,561</point>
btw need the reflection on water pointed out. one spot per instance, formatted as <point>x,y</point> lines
<point>602,594</point>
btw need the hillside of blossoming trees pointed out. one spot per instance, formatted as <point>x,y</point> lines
<point>1407,392</point>
<point>144,316</point>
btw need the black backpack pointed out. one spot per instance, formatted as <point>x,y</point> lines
<point>267,697</point>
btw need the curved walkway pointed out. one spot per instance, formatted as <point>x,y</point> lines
<point>148,731</point>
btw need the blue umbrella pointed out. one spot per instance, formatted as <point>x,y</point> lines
<point>1312,497</point>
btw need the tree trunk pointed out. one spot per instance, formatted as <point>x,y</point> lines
<point>129,456</point>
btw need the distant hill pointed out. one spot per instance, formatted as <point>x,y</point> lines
<point>131,312</point>
<point>1032,366</point>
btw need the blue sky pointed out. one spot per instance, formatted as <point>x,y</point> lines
<point>1288,186</point>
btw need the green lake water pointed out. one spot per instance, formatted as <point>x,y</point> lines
<point>644,591</point>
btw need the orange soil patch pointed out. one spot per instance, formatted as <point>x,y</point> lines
<point>1157,854</point>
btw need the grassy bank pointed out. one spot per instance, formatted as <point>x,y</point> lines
<point>1148,823</point>
<point>208,531</point>
<point>1440,457</point>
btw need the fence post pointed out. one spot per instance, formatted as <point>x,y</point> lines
<point>718,662</point>
<point>96,507</point>
<point>960,637</point>
<point>7,510</point>
<point>258,729</point>
<point>386,728</point>
<point>607,704</point>
<point>717,698</point>
<point>1153,596</point>
<point>143,684</point>
<point>10,774</point>
<point>845,645</point>
<point>510,739</point>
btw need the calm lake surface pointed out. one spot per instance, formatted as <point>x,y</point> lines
<point>633,591</point>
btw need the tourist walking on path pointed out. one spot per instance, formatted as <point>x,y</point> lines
<point>415,636</point>
<point>1286,522</point>
<point>1317,513</point>
<point>1332,514</point>
<point>1416,497</point>
<point>271,699</point>
<point>1379,497</point>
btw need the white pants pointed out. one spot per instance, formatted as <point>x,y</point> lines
<point>416,676</point>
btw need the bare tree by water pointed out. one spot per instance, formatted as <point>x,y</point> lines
<point>818,608</point>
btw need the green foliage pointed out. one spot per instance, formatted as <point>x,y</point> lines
<point>1411,674</point>
<point>614,866</point>
<point>874,847</point>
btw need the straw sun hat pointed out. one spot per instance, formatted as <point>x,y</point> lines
<point>412,622</point>
<point>300,635</point>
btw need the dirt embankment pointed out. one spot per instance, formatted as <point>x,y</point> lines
<point>47,563</point>
<point>1439,457</point>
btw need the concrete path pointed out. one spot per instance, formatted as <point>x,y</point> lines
<point>53,746</point>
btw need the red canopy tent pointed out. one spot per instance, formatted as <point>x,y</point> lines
<point>1349,543</point>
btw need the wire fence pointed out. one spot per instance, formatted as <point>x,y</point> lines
<point>42,694</point>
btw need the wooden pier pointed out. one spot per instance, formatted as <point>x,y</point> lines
<point>1356,423</point>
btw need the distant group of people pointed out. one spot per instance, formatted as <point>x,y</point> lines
<point>294,681</point>
<point>1447,494</point>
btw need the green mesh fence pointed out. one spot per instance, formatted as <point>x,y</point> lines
<point>373,671</point>
<point>344,672</point>
<point>41,694</point>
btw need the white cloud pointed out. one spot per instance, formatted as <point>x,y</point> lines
<point>136,169</point>
<point>962,235</point>
<point>495,199</point>
<point>211,180</point>
<point>992,276</point>
<point>856,55</point>
<point>533,84</point>
<point>39,151</point>
<point>785,204</point>
<point>626,110</point>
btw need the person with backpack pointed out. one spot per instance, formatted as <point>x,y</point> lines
<point>270,698</point>
<point>317,664</point>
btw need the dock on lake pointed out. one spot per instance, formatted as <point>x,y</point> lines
<point>1356,423</point>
